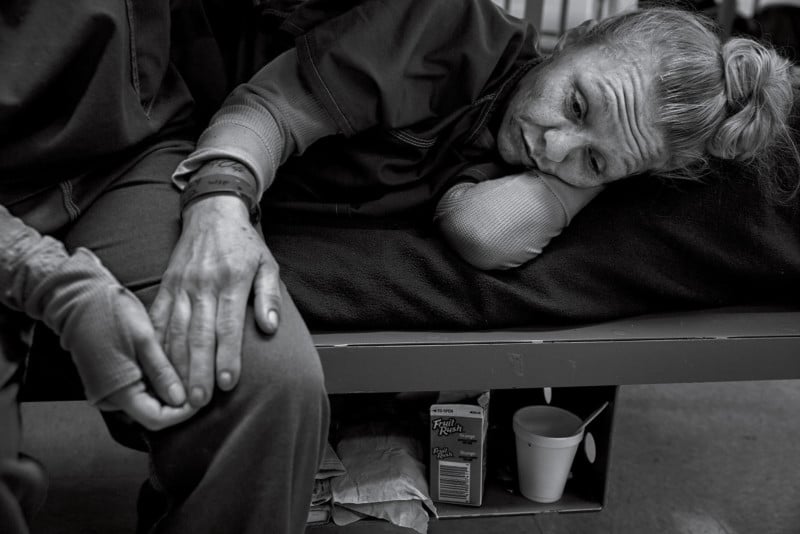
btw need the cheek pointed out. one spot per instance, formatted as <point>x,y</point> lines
<point>504,145</point>
<point>569,172</point>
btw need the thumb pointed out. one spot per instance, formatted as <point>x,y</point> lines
<point>159,371</point>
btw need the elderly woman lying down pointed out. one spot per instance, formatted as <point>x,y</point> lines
<point>394,107</point>
<point>607,107</point>
<point>653,92</point>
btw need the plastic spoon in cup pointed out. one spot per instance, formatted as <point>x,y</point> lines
<point>591,418</point>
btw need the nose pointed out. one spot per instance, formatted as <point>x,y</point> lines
<point>559,142</point>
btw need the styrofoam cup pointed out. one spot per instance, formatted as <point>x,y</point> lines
<point>546,440</point>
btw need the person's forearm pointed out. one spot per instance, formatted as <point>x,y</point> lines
<point>26,257</point>
<point>70,294</point>
<point>503,223</point>
<point>261,124</point>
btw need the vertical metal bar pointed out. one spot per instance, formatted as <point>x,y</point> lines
<point>564,13</point>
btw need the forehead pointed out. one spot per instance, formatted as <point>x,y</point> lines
<point>619,87</point>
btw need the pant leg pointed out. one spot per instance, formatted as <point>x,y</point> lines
<point>246,462</point>
<point>23,485</point>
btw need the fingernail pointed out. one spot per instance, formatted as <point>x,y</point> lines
<point>198,396</point>
<point>225,379</point>
<point>272,317</point>
<point>176,393</point>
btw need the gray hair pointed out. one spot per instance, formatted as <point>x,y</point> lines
<point>730,100</point>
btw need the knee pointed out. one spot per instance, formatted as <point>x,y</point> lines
<point>283,371</point>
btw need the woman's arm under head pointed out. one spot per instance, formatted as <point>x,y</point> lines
<point>503,223</point>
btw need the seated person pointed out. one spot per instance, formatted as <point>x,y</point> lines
<point>94,117</point>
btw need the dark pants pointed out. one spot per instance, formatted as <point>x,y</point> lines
<point>246,462</point>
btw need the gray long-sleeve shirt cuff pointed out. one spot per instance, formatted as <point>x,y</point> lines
<point>262,123</point>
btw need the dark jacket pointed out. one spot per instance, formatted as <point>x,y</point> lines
<point>416,88</point>
<point>84,81</point>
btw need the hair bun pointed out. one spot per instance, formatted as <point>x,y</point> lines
<point>758,93</point>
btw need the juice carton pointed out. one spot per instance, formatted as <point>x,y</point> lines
<point>458,451</point>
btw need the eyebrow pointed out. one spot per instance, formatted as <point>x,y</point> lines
<point>598,90</point>
<point>605,106</point>
<point>629,162</point>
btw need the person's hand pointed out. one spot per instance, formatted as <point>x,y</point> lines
<point>199,311</point>
<point>146,409</point>
<point>103,325</point>
<point>163,404</point>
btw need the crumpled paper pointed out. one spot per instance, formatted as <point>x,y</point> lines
<point>320,510</point>
<point>384,477</point>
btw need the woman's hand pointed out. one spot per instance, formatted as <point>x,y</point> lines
<point>102,324</point>
<point>199,311</point>
<point>140,404</point>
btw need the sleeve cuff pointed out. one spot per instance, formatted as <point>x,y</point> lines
<point>77,301</point>
<point>572,198</point>
<point>262,123</point>
<point>230,140</point>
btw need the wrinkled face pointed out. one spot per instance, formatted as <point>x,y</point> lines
<point>585,116</point>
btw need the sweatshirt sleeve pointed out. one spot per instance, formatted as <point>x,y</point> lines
<point>394,63</point>
<point>503,223</point>
<point>74,295</point>
<point>380,63</point>
<point>261,124</point>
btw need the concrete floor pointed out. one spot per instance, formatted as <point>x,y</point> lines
<point>687,459</point>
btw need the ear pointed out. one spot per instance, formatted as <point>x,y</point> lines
<point>573,35</point>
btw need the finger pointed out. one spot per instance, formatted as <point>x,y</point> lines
<point>159,371</point>
<point>202,348</point>
<point>231,311</point>
<point>267,302</point>
<point>178,330</point>
<point>145,409</point>
<point>159,314</point>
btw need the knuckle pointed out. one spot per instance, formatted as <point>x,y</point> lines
<point>202,334</point>
<point>176,329</point>
<point>228,301</point>
<point>198,344</point>
<point>198,279</point>
<point>162,375</point>
<point>228,269</point>
<point>172,278</point>
<point>227,326</point>
<point>270,270</point>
